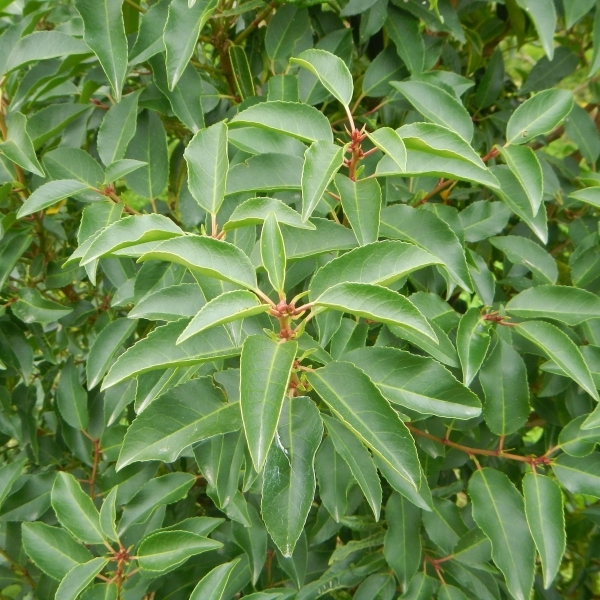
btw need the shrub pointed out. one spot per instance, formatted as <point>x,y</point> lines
<point>299,299</point>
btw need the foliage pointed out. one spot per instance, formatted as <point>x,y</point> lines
<point>299,300</point>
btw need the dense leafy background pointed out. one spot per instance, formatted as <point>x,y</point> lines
<point>299,299</point>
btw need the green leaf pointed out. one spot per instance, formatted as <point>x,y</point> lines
<point>206,256</point>
<point>437,151</point>
<point>421,587</point>
<point>156,492</point>
<point>266,366</point>
<point>576,10</point>
<point>545,516</point>
<point>356,401</point>
<point>577,441</point>
<point>402,546</point>
<point>130,231</point>
<point>472,343</point>
<point>212,585</point>
<point>568,305</point>
<point>299,121</point>
<point>389,142</point>
<point>255,210</point>
<point>403,29</point>
<point>164,551</point>
<point>499,511</point>
<point>272,253</point>
<point>525,166</point>
<point>206,157</point>
<point>149,145</point>
<point>118,128</point>
<point>438,106</point>
<point>73,163</point>
<point>538,115</point>
<point>326,237</point>
<point>42,45</point>
<point>181,34</point>
<point>331,71</point>
<point>266,173</point>
<point>18,146</point>
<point>416,382</point>
<point>101,591</point>
<point>427,230</point>
<point>358,459</point>
<point>543,15</point>
<point>450,592</point>
<point>378,304</point>
<point>503,377</point>
<point>579,475</point>
<point>104,348</point>
<point>71,397</point>
<point>79,577</point>
<point>144,356</point>
<point>557,346</point>
<point>286,27</point>
<point>590,196</point>
<point>321,162</point>
<point>241,70</point>
<point>108,515</point>
<point>104,33</point>
<point>8,475</point>
<point>52,549</point>
<point>75,510</point>
<point>31,500</point>
<point>228,307</point>
<point>32,307</point>
<point>513,194</point>
<point>361,201</point>
<point>184,415</point>
<point>383,69</point>
<point>520,250</point>
<point>50,193</point>
<point>289,478</point>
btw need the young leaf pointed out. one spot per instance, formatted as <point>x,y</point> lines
<point>526,167</point>
<point>272,253</point>
<point>118,128</point>
<point>331,71</point>
<point>389,142</point>
<point>361,201</point>
<point>52,549</point>
<point>212,585</point>
<point>472,343</point>
<point>181,34</point>
<point>206,157</point>
<point>228,307</point>
<point>79,577</point>
<point>537,115</point>
<point>438,106</point>
<point>378,304</point>
<point>289,477</point>
<point>416,382</point>
<point>299,121</point>
<point>71,397</point>
<point>321,162</point>
<point>104,33</point>
<point>356,401</point>
<point>503,377</point>
<point>164,551</point>
<point>558,347</point>
<point>545,516</point>
<point>499,511</point>
<point>184,415</point>
<point>359,460</point>
<point>427,230</point>
<point>265,375</point>
<point>569,305</point>
<point>75,510</point>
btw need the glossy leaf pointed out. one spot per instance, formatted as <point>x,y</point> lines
<point>79,577</point>
<point>265,368</point>
<point>71,398</point>
<point>472,343</point>
<point>212,585</point>
<point>50,193</point>
<point>18,146</point>
<point>498,509</point>
<point>361,202</point>
<point>357,402</point>
<point>272,252</point>
<point>524,164</point>
<point>389,142</point>
<point>520,250</point>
